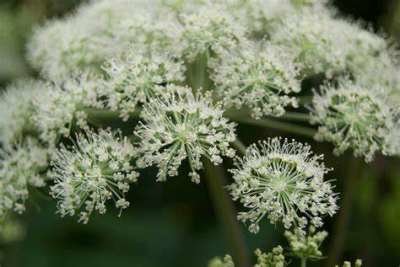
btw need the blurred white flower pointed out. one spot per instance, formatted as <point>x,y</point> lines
<point>21,167</point>
<point>209,31</point>
<point>98,30</point>
<point>61,108</point>
<point>17,109</point>
<point>325,43</point>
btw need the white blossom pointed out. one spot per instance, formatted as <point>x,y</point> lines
<point>96,169</point>
<point>306,245</point>
<point>61,108</point>
<point>209,31</point>
<point>311,38</point>
<point>325,43</point>
<point>259,76</point>
<point>17,109</point>
<point>21,167</point>
<point>353,116</point>
<point>282,180</point>
<point>182,125</point>
<point>137,77</point>
<point>98,30</point>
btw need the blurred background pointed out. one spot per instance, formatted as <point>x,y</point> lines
<point>173,224</point>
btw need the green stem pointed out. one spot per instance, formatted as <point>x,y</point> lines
<point>225,211</point>
<point>100,117</point>
<point>296,116</point>
<point>239,146</point>
<point>305,100</point>
<point>278,125</point>
<point>303,262</point>
<point>197,72</point>
<point>340,227</point>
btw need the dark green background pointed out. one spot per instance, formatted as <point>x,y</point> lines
<point>172,224</point>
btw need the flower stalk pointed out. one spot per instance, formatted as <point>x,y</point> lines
<point>225,211</point>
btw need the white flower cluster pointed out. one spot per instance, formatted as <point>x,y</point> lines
<point>275,258</point>
<point>306,245</point>
<point>61,107</point>
<point>352,116</point>
<point>227,261</point>
<point>96,169</point>
<point>177,66</point>
<point>260,77</point>
<point>83,41</point>
<point>136,78</point>
<point>182,125</point>
<point>209,31</point>
<point>282,180</point>
<point>17,109</point>
<point>324,43</point>
<point>21,167</point>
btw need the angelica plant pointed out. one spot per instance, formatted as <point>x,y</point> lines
<point>171,81</point>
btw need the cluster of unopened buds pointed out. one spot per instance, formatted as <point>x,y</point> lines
<point>181,76</point>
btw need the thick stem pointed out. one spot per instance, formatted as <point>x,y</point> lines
<point>278,125</point>
<point>197,73</point>
<point>239,146</point>
<point>226,214</point>
<point>340,227</point>
<point>296,116</point>
<point>303,262</point>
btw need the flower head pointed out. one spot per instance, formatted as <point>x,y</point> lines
<point>353,116</point>
<point>96,169</point>
<point>137,77</point>
<point>17,109</point>
<point>227,261</point>
<point>325,43</point>
<point>258,76</point>
<point>282,180</point>
<point>21,167</point>
<point>306,245</point>
<point>209,31</point>
<point>310,35</point>
<point>180,125</point>
<point>275,258</point>
<point>61,108</point>
<point>98,30</point>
